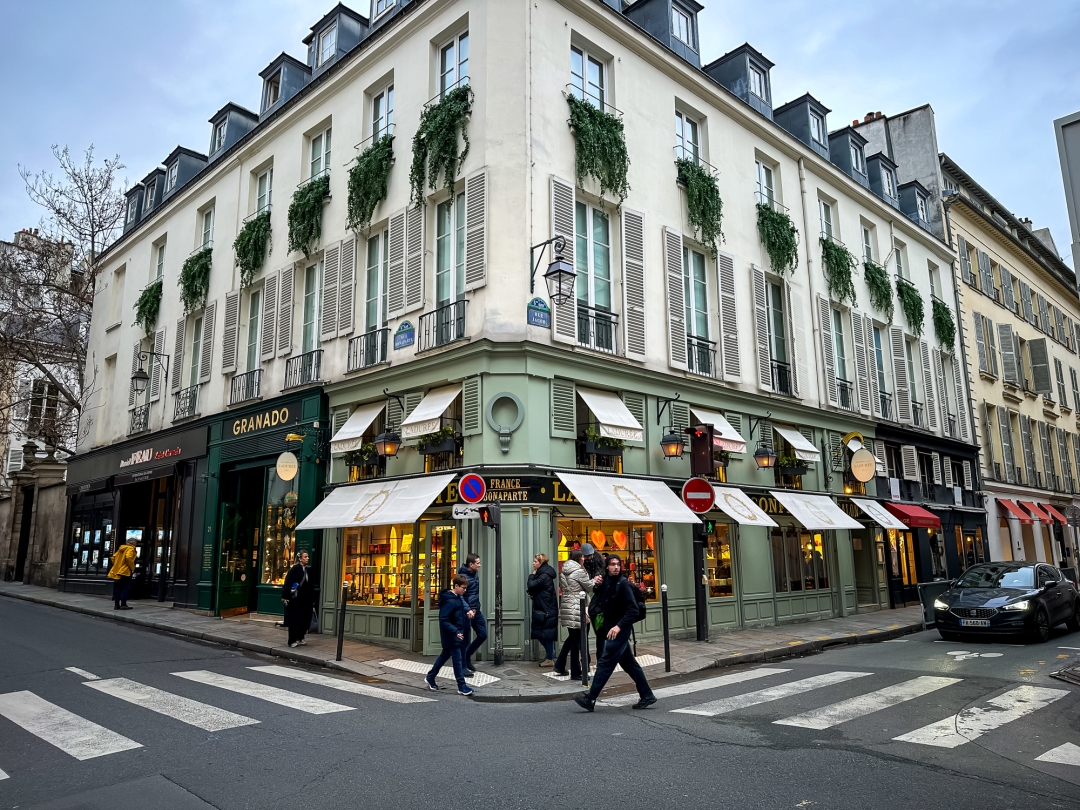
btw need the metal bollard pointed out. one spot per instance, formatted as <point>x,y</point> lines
<point>667,637</point>
<point>341,620</point>
<point>583,615</point>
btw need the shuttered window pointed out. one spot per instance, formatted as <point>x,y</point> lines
<point>563,409</point>
<point>471,406</point>
<point>729,319</point>
<point>633,283</point>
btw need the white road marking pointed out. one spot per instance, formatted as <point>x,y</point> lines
<point>1069,648</point>
<point>3,776</point>
<point>70,733</point>
<point>730,704</point>
<point>643,661</point>
<point>446,673</point>
<point>344,685</point>
<point>969,724</point>
<point>895,641</point>
<point>280,697</point>
<point>192,712</point>
<point>862,705</point>
<point>697,686</point>
<point>82,673</point>
<point>1067,754</point>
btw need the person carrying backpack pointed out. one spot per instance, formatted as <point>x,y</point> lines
<point>613,611</point>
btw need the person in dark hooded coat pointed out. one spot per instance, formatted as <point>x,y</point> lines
<point>298,594</point>
<point>545,612</point>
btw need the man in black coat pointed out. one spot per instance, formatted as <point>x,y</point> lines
<point>298,594</point>
<point>453,619</point>
<point>477,623</point>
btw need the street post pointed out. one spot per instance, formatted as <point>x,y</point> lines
<point>583,615</point>
<point>667,637</point>
<point>341,620</point>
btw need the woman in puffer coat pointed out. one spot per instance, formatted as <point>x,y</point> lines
<point>545,612</point>
<point>573,581</point>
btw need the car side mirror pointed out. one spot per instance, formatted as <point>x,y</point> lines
<point>1048,584</point>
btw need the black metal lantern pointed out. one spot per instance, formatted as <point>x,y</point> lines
<point>139,380</point>
<point>560,277</point>
<point>387,444</point>
<point>672,445</point>
<point>765,457</point>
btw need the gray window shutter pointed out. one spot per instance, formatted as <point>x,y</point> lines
<point>338,420</point>
<point>563,409</point>
<point>395,267</point>
<point>965,261</point>
<point>1010,372</point>
<point>563,316</point>
<point>946,470</point>
<point>680,419</point>
<point>1063,454</point>
<point>986,275</point>
<point>206,350</point>
<point>989,449</point>
<point>1008,460</point>
<point>862,375</point>
<point>178,354</point>
<point>347,287</point>
<point>1025,302</point>
<point>1059,372</point>
<point>1075,389</point>
<point>269,320</point>
<point>229,334</point>
<point>134,367</point>
<point>472,407</point>
<point>635,403</point>
<point>412,399</point>
<point>1040,367</point>
<point>936,459</point>
<point>394,415</point>
<point>828,350</point>
<point>879,454</point>
<point>900,374</point>
<point>909,456</point>
<point>476,206</point>
<point>1076,456</point>
<point>1007,289</point>
<point>633,286</point>
<point>286,288</point>
<point>1060,325</point>
<point>156,368</point>
<point>331,268</point>
<point>1044,316</point>
<point>836,451</point>
<point>1047,457</point>
<point>1028,447</point>
<point>928,385</point>
<point>980,343</point>
<point>761,329</point>
<point>969,479</point>
<point>961,400</point>
<point>991,347</point>
<point>414,258</point>
<point>676,300</point>
<point>729,318</point>
<point>796,338</point>
<point>942,388</point>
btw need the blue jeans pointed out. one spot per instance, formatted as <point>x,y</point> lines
<point>618,653</point>
<point>450,653</point>
<point>478,625</point>
<point>549,650</point>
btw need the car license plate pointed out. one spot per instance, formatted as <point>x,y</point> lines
<point>974,622</point>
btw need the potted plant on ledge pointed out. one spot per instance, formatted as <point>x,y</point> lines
<point>595,444</point>
<point>442,440</point>
<point>366,456</point>
<point>722,457</point>
<point>790,465</point>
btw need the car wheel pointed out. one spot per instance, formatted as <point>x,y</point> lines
<point>1074,623</point>
<point>948,636</point>
<point>1041,632</point>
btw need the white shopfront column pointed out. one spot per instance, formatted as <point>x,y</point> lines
<point>1015,538</point>
<point>1040,540</point>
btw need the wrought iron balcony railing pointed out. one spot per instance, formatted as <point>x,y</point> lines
<point>303,369</point>
<point>845,395</point>
<point>781,378</point>
<point>442,326</point>
<point>701,356</point>
<point>368,349</point>
<point>245,387</point>
<point>140,420</point>
<point>186,403</point>
<point>597,329</point>
<point>885,405</point>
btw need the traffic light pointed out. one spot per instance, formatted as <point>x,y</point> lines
<point>701,450</point>
<point>489,514</point>
<point>708,527</point>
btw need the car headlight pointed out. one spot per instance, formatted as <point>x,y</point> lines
<point>939,605</point>
<point>1024,605</point>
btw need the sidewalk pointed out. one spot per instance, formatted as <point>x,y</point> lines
<point>515,681</point>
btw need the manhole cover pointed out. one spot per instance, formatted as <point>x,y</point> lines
<point>1070,674</point>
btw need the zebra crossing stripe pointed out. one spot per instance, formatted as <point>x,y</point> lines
<point>192,712</point>
<point>697,686</point>
<point>730,704</point>
<point>342,684</point>
<point>70,733</point>
<point>82,673</point>
<point>969,724</point>
<point>3,776</point>
<point>862,705</point>
<point>1067,754</point>
<point>280,697</point>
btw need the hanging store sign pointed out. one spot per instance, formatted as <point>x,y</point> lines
<point>260,421</point>
<point>287,466</point>
<point>863,465</point>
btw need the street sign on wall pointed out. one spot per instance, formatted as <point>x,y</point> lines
<point>471,488</point>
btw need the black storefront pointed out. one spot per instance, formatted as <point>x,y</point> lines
<point>151,490</point>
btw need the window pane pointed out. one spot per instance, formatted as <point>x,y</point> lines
<point>838,342</point>
<point>577,72</point>
<point>443,237</point>
<point>700,295</point>
<point>796,579</point>
<point>196,350</point>
<point>371,287</point>
<point>777,323</point>
<point>780,581</point>
<point>254,313</point>
<point>581,251</point>
<point>601,259</point>
<point>596,83</point>
<point>463,58</point>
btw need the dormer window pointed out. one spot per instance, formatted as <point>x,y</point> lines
<point>218,139</point>
<point>328,44</point>
<point>151,190</point>
<point>273,90</point>
<point>920,202</point>
<point>383,5</point>
<point>454,63</point>
<point>170,176</point>
<point>887,181</point>
<point>757,82</point>
<point>681,26</point>
<point>817,128</point>
<point>133,207</point>
<point>858,164</point>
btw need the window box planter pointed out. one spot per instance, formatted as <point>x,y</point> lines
<point>444,440</point>
<point>800,468</point>
<point>597,449</point>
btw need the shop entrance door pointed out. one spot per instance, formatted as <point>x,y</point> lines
<point>238,534</point>
<point>903,580</point>
<point>868,554</point>
<point>438,566</point>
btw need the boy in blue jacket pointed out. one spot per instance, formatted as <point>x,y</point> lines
<point>453,621</point>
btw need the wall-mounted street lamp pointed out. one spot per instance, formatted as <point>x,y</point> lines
<point>672,443</point>
<point>140,378</point>
<point>388,442</point>
<point>764,457</point>
<point>560,275</point>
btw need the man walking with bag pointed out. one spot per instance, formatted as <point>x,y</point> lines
<point>477,624</point>
<point>453,621</point>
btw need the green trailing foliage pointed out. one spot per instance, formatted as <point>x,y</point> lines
<point>944,325</point>
<point>305,214</point>
<point>250,246</point>
<point>436,154</point>
<point>780,238</point>
<point>705,208</point>
<point>839,266</point>
<point>195,280</point>
<point>368,181</point>
<point>366,455</point>
<point>435,437</point>
<point>880,291</point>
<point>148,305</point>
<point>599,148</point>
<point>912,304</point>
<point>593,435</point>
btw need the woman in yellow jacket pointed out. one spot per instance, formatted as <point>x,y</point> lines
<point>123,566</point>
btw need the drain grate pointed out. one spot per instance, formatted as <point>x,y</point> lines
<point>1069,674</point>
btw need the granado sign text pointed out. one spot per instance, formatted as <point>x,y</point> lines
<point>260,421</point>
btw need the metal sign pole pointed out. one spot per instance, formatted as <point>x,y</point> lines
<point>498,596</point>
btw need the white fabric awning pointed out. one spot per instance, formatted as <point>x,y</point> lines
<point>616,421</point>
<point>352,432</point>
<point>804,450</point>
<point>379,503</point>
<point>426,417</point>
<point>879,514</point>
<point>725,436</point>
<point>737,504</point>
<point>815,512</point>
<point>609,498</point>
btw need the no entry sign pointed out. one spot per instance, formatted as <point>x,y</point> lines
<point>698,495</point>
<point>471,488</point>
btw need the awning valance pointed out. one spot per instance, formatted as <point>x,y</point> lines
<point>427,416</point>
<point>1015,511</point>
<point>804,449</point>
<point>614,418</point>
<point>737,504</point>
<point>878,513</point>
<point>914,517</point>
<point>1036,511</point>
<point>1055,513</point>
<point>724,436</point>
<point>379,503</point>
<point>352,432</point>
<point>815,512</point>
<point>609,498</point>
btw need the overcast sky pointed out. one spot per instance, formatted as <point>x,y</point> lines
<point>136,78</point>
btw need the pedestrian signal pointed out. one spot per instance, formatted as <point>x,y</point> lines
<point>489,514</point>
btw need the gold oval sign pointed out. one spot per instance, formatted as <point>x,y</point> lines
<point>863,465</point>
<point>287,466</point>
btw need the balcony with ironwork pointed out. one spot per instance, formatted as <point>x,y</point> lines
<point>597,329</point>
<point>140,420</point>
<point>303,369</point>
<point>245,387</point>
<point>886,407</point>
<point>918,415</point>
<point>781,379</point>
<point>442,449</point>
<point>767,197</point>
<point>368,349</point>
<point>442,326</point>
<point>186,403</point>
<point>597,452</point>
<point>701,356</point>
<point>845,395</point>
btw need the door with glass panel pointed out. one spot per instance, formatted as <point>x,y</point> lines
<point>373,342</point>
<point>700,356</point>
<point>439,564</point>
<point>903,577</point>
<point>592,256</point>
<point>450,270</point>
<point>778,338</point>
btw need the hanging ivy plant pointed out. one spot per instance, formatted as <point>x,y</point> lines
<point>305,214</point>
<point>780,238</point>
<point>599,148</point>
<point>880,291</point>
<point>250,246</point>
<point>436,156</point>
<point>706,209</point>
<point>912,304</point>
<point>368,181</point>
<point>147,307</point>
<point>944,325</point>
<point>839,266</point>
<point>195,280</point>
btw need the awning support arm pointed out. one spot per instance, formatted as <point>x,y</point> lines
<point>756,422</point>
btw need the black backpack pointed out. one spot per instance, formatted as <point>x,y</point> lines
<point>639,598</point>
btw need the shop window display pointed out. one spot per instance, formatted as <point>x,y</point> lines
<point>902,556</point>
<point>378,567</point>
<point>443,563</point>
<point>634,542</point>
<point>718,562</point>
<point>937,553</point>
<point>279,531</point>
<point>799,562</point>
<point>92,540</point>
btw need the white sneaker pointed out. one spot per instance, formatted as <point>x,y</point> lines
<point>294,644</point>
<point>303,641</point>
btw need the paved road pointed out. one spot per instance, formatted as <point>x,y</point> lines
<point>98,715</point>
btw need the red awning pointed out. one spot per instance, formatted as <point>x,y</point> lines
<point>1055,513</point>
<point>1036,511</point>
<point>914,516</point>
<point>1016,511</point>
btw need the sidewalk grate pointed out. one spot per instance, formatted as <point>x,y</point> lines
<point>419,667</point>
<point>643,660</point>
